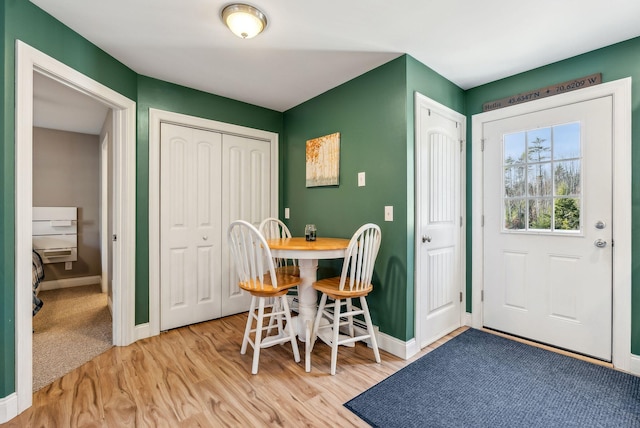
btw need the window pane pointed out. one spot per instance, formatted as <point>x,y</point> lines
<point>567,176</point>
<point>514,216</point>
<point>567,214</point>
<point>566,141</point>
<point>514,181</point>
<point>514,148</point>
<point>539,178</point>
<point>540,214</point>
<point>539,144</point>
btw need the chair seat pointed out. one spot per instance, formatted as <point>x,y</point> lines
<point>331,287</point>
<point>266,289</point>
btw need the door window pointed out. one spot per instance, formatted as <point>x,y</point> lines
<point>542,179</point>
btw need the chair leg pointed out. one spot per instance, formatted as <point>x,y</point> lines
<point>247,329</point>
<point>350,317</point>
<point>312,333</point>
<point>316,324</point>
<point>367,317</point>
<point>336,334</point>
<point>292,334</point>
<point>258,336</point>
<point>272,319</point>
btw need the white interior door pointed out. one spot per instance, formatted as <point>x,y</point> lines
<point>439,146</point>
<point>548,226</point>
<point>246,195</point>
<point>190,193</point>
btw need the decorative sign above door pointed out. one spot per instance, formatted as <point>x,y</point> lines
<point>560,88</point>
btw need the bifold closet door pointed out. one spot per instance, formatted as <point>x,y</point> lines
<point>246,195</point>
<point>190,225</point>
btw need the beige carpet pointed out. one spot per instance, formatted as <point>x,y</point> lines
<point>73,326</point>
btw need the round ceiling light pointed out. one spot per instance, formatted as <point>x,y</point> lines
<point>243,20</point>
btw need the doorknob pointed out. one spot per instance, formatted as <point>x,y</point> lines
<point>600,243</point>
<point>205,237</point>
<point>426,238</point>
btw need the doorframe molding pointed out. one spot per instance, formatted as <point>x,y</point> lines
<point>29,61</point>
<point>421,100</point>
<point>620,91</point>
<point>156,118</point>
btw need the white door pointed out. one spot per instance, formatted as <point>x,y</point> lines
<point>548,226</point>
<point>439,146</point>
<point>190,234</point>
<point>246,195</point>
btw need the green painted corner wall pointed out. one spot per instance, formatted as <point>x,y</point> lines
<point>614,62</point>
<point>153,93</point>
<point>374,115</point>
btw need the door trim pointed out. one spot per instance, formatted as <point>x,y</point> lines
<point>156,117</point>
<point>620,91</point>
<point>444,111</point>
<point>28,61</point>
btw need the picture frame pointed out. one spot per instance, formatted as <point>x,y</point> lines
<point>323,161</point>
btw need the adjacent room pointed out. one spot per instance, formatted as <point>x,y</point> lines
<point>363,214</point>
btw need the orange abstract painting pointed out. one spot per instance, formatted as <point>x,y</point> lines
<point>323,161</point>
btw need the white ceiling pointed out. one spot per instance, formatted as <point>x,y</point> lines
<point>310,47</point>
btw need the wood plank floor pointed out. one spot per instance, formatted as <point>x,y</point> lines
<point>195,377</point>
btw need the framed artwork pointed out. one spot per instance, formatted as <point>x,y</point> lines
<point>323,161</point>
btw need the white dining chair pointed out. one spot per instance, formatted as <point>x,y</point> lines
<point>354,282</point>
<point>274,228</point>
<point>258,276</point>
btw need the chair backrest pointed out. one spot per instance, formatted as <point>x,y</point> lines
<point>360,257</point>
<point>273,228</point>
<point>251,255</point>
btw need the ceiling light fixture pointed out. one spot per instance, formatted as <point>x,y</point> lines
<point>243,20</point>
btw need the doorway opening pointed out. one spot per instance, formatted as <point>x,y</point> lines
<point>29,62</point>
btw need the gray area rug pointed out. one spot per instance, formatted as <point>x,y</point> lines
<point>73,326</point>
<point>479,379</point>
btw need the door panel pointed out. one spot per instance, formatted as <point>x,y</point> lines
<point>246,195</point>
<point>438,270</point>
<point>547,185</point>
<point>190,225</point>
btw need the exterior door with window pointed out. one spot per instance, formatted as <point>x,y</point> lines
<point>548,226</point>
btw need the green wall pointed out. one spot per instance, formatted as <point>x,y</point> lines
<point>24,21</point>
<point>614,62</point>
<point>161,95</point>
<point>374,115</point>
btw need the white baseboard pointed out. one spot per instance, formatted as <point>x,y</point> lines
<point>468,319</point>
<point>141,331</point>
<point>8,407</point>
<point>634,366</point>
<point>55,284</point>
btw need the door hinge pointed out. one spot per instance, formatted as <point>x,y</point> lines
<point>482,295</point>
<point>429,111</point>
<point>482,220</point>
<point>114,238</point>
<point>482,145</point>
<point>461,145</point>
<point>457,125</point>
<point>461,296</point>
<point>612,243</point>
<point>460,221</point>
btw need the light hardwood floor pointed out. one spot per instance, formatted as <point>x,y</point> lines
<point>194,376</point>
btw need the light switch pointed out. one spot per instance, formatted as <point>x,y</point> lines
<point>361,179</point>
<point>68,266</point>
<point>388,213</point>
<point>286,213</point>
